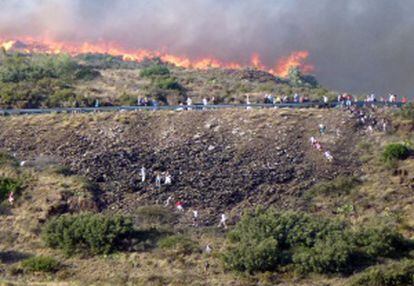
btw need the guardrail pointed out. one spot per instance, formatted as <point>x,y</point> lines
<point>7,112</point>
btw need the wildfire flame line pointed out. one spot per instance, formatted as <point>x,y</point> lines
<point>296,59</point>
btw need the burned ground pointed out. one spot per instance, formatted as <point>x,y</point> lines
<point>220,161</point>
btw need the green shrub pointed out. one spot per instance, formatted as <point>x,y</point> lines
<point>407,112</point>
<point>168,83</point>
<point>393,152</point>
<point>8,185</point>
<point>91,233</point>
<point>339,186</point>
<point>332,255</point>
<point>155,70</point>
<point>266,240</point>
<point>40,264</point>
<point>127,100</point>
<point>395,274</point>
<point>67,98</point>
<point>179,244</point>
<point>380,241</point>
<point>263,255</point>
<point>288,231</point>
<point>6,159</point>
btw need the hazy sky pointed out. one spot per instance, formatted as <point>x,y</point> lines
<point>356,45</point>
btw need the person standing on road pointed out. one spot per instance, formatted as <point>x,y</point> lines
<point>189,103</point>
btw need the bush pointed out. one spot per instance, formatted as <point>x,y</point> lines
<point>266,240</point>
<point>339,186</point>
<point>288,231</point>
<point>40,264</point>
<point>6,159</point>
<point>380,241</point>
<point>179,244</point>
<point>264,255</point>
<point>8,185</point>
<point>332,255</point>
<point>396,274</point>
<point>168,83</point>
<point>393,152</point>
<point>155,70</point>
<point>407,112</point>
<point>91,233</point>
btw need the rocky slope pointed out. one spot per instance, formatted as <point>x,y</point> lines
<point>220,161</point>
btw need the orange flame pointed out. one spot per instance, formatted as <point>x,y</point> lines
<point>294,60</point>
<point>7,45</point>
<point>44,45</point>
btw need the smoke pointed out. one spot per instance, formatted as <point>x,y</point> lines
<point>356,45</point>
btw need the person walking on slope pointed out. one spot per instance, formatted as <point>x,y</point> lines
<point>195,218</point>
<point>328,156</point>
<point>223,219</point>
<point>158,181</point>
<point>179,206</point>
<point>11,198</point>
<point>168,201</point>
<point>168,179</point>
<point>322,129</point>
<point>143,174</point>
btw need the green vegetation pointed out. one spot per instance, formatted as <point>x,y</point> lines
<point>40,264</point>
<point>6,159</point>
<point>395,152</point>
<point>91,233</point>
<point>179,244</point>
<point>268,240</point>
<point>339,186</point>
<point>155,70</point>
<point>407,112</point>
<point>298,79</point>
<point>8,185</point>
<point>395,274</point>
<point>41,81</point>
<point>168,83</point>
<point>67,98</point>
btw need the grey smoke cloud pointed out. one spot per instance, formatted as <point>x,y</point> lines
<point>356,45</point>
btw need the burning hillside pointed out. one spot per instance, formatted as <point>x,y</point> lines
<point>297,59</point>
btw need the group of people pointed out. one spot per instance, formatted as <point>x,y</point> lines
<point>318,146</point>
<point>296,98</point>
<point>392,98</point>
<point>165,178</point>
<point>161,178</point>
<point>179,206</point>
<point>368,119</point>
<point>144,101</point>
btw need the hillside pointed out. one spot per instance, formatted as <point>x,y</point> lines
<point>227,161</point>
<point>39,80</point>
<point>219,161</point>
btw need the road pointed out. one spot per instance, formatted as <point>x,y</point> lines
<point>7,112</point>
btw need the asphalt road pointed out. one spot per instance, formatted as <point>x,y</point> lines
<point>7,112</point>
